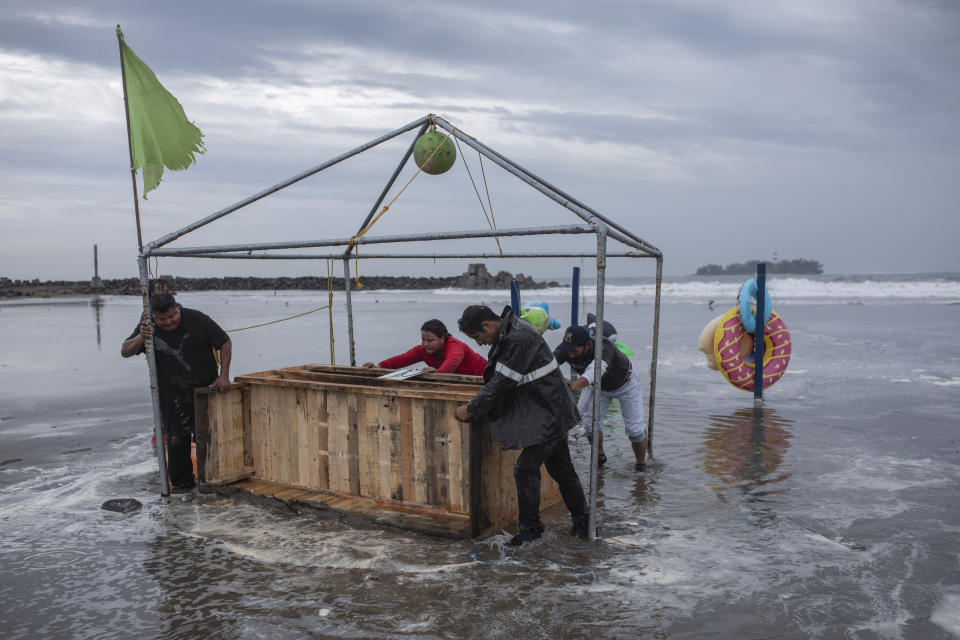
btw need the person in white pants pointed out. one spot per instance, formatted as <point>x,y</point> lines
<point>617,380</point>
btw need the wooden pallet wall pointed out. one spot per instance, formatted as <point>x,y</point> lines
<point>348,433</point>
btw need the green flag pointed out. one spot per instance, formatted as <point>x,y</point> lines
<point>160,134</point>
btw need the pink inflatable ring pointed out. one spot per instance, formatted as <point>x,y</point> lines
<point>732,345</point>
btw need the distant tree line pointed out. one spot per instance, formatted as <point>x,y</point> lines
<point>799,266</point>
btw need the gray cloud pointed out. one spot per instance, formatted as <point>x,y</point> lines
<point>836,119</point>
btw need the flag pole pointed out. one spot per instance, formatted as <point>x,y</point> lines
<point>126,110</point>
<point>144,290</point>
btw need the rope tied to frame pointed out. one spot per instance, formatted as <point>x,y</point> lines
<point>353,239</point>
<point>493,224</point>
<point>329,306</point>
<point>263,324</point>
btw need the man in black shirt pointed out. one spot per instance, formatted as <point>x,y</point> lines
<point>184,341</point>
<point>617,380</point>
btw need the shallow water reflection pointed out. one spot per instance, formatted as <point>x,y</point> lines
<point>97,304</point>
<point>744,451</point>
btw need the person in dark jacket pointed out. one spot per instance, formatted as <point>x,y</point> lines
<point>617,380</point>
<point>529,407</point>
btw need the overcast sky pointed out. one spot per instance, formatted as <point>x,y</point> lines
<point>717,131</point>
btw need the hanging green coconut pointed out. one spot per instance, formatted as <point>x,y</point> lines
<point>442,160</point>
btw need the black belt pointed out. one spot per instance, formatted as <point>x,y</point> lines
<point>625,378</point>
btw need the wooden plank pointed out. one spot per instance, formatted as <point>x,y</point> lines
<point>256,455</point>
<point>298,453</point>
<point>201,419</point>
<point>226,432</point>
<point>419,453</point>
<point>407,482</point>
<point>277,381</point>
<point>280,415</point>
<point>219,426</point>
<point>270,395</point>
<point>454,455</point>
<point>387,421</point>
<point>388,383</point>
<point>432,453</point>
<point>294,425</point>
<point>220,435</point>
<point>500,491</point>
<point>368,446</point>
<point>337,429</point>
<point>376,372</point>
<point>247,428</point>
<point>323,443</point>
<point>490,488</point>
<point>231,479</point>
<point>411,517</point>
<point>308,438</point>
<point>259,419</point>
<point>445,426</point>
<point>267,435</point>
<point>477,520</point>
<point>290,418</point>
<point>353,443</point>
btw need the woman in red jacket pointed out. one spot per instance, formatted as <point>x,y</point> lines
<point>442,352</point>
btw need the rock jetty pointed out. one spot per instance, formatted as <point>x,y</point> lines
<point>475,277</point>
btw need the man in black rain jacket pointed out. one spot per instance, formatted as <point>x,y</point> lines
<point>529,407</point>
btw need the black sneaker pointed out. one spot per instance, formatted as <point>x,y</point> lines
<point>640,467</point>
<point>580,528</point>
<point>601,460</point>
<point>525,535</point>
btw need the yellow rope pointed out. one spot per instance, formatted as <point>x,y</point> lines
<point>369,226</point>
<point>263,324</point>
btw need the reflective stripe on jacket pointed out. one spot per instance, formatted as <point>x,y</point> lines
<point>524,395</point>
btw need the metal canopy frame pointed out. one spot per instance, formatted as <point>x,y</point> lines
<point>597,224</point>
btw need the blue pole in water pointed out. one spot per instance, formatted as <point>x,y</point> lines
<point>515,296</point>
<point>758,335</point>
<point>575,305</point>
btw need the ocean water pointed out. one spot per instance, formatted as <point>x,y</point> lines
<point>832,512</point>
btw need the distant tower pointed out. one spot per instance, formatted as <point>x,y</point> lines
<point>774,255</point>
<point>96,283</point>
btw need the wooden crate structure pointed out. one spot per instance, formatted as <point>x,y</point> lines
<point>343,438</point>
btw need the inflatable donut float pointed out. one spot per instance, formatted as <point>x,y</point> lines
<point>733,348</point>
<point>705,343</point>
